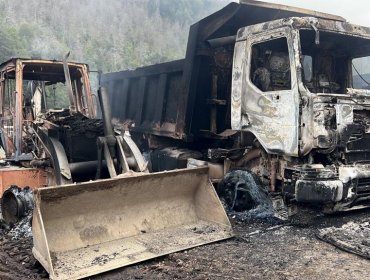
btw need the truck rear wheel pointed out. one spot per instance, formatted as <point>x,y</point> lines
<point>242,190</point>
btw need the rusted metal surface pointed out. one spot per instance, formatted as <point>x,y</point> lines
<point>274,164</point>
<point>18,118</point>
<point>30,135</point>
<point>50,66</point>
<point>50,149</point>
<point>38,134</point>
<point>67,75</point>
<point>22,177</point>
<point>278,8</point>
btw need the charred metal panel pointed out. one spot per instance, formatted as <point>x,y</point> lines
<point>22,177</point>
<point>146,99</point>
<point>149,109</point>
<point>272,8</point>
<point>171,158</point>
<point>319,191</point>
<point>161,94</point>
<point>271,115</point>
<point>172,92</point>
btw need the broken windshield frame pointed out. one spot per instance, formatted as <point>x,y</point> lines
<point>48,81</point>
<point>330,67</point>
<point>361,72</point>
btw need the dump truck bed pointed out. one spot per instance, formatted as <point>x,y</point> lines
<point>147,96</point>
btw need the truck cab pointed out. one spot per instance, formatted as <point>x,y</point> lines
<point>300,86</point>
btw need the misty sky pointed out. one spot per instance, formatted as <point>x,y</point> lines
<point>355,11</point>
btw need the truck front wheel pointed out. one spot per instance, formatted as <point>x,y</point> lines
<point>242,190</point>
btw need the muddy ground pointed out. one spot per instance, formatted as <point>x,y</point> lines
<point>261,249</point>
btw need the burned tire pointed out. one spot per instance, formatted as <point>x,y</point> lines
<point>242,190</point>
<point>16,203</point>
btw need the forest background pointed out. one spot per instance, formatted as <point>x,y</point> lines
<point>109,35</point>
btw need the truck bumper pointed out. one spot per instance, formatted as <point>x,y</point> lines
<point>318,191</point>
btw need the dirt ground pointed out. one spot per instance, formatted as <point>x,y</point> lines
<point>262,249</point>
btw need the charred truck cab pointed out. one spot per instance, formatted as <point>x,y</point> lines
<point>300,87</point>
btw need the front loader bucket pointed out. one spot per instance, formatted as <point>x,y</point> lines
<point>85,229</point>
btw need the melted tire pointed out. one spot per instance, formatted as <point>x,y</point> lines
<point>16,203</point>
<point>242,190</point>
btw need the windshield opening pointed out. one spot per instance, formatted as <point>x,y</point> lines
<point>44,87</point>
<point>361,72</point>
<point>328,66</point>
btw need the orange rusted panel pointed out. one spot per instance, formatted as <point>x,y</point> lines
<point>22,177</point>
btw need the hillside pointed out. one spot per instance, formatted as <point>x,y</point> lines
<point>109,35</point>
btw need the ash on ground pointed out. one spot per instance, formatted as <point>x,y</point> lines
<point>351,237</point>
<point>22,229</point>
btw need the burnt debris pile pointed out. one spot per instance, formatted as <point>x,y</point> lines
<point>21,229</point>
<point>351,237</point>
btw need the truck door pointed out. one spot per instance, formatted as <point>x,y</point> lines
<point>268,91</point>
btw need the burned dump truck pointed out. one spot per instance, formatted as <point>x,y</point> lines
<point>95,206</point>
<point>279,92</point>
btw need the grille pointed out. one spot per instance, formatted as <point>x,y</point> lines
<point>363,187</point>
<point>311,173</point>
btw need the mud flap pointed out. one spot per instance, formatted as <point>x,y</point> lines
<point>85,229</point>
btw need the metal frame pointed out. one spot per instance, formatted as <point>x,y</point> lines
<point>18,65</point>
